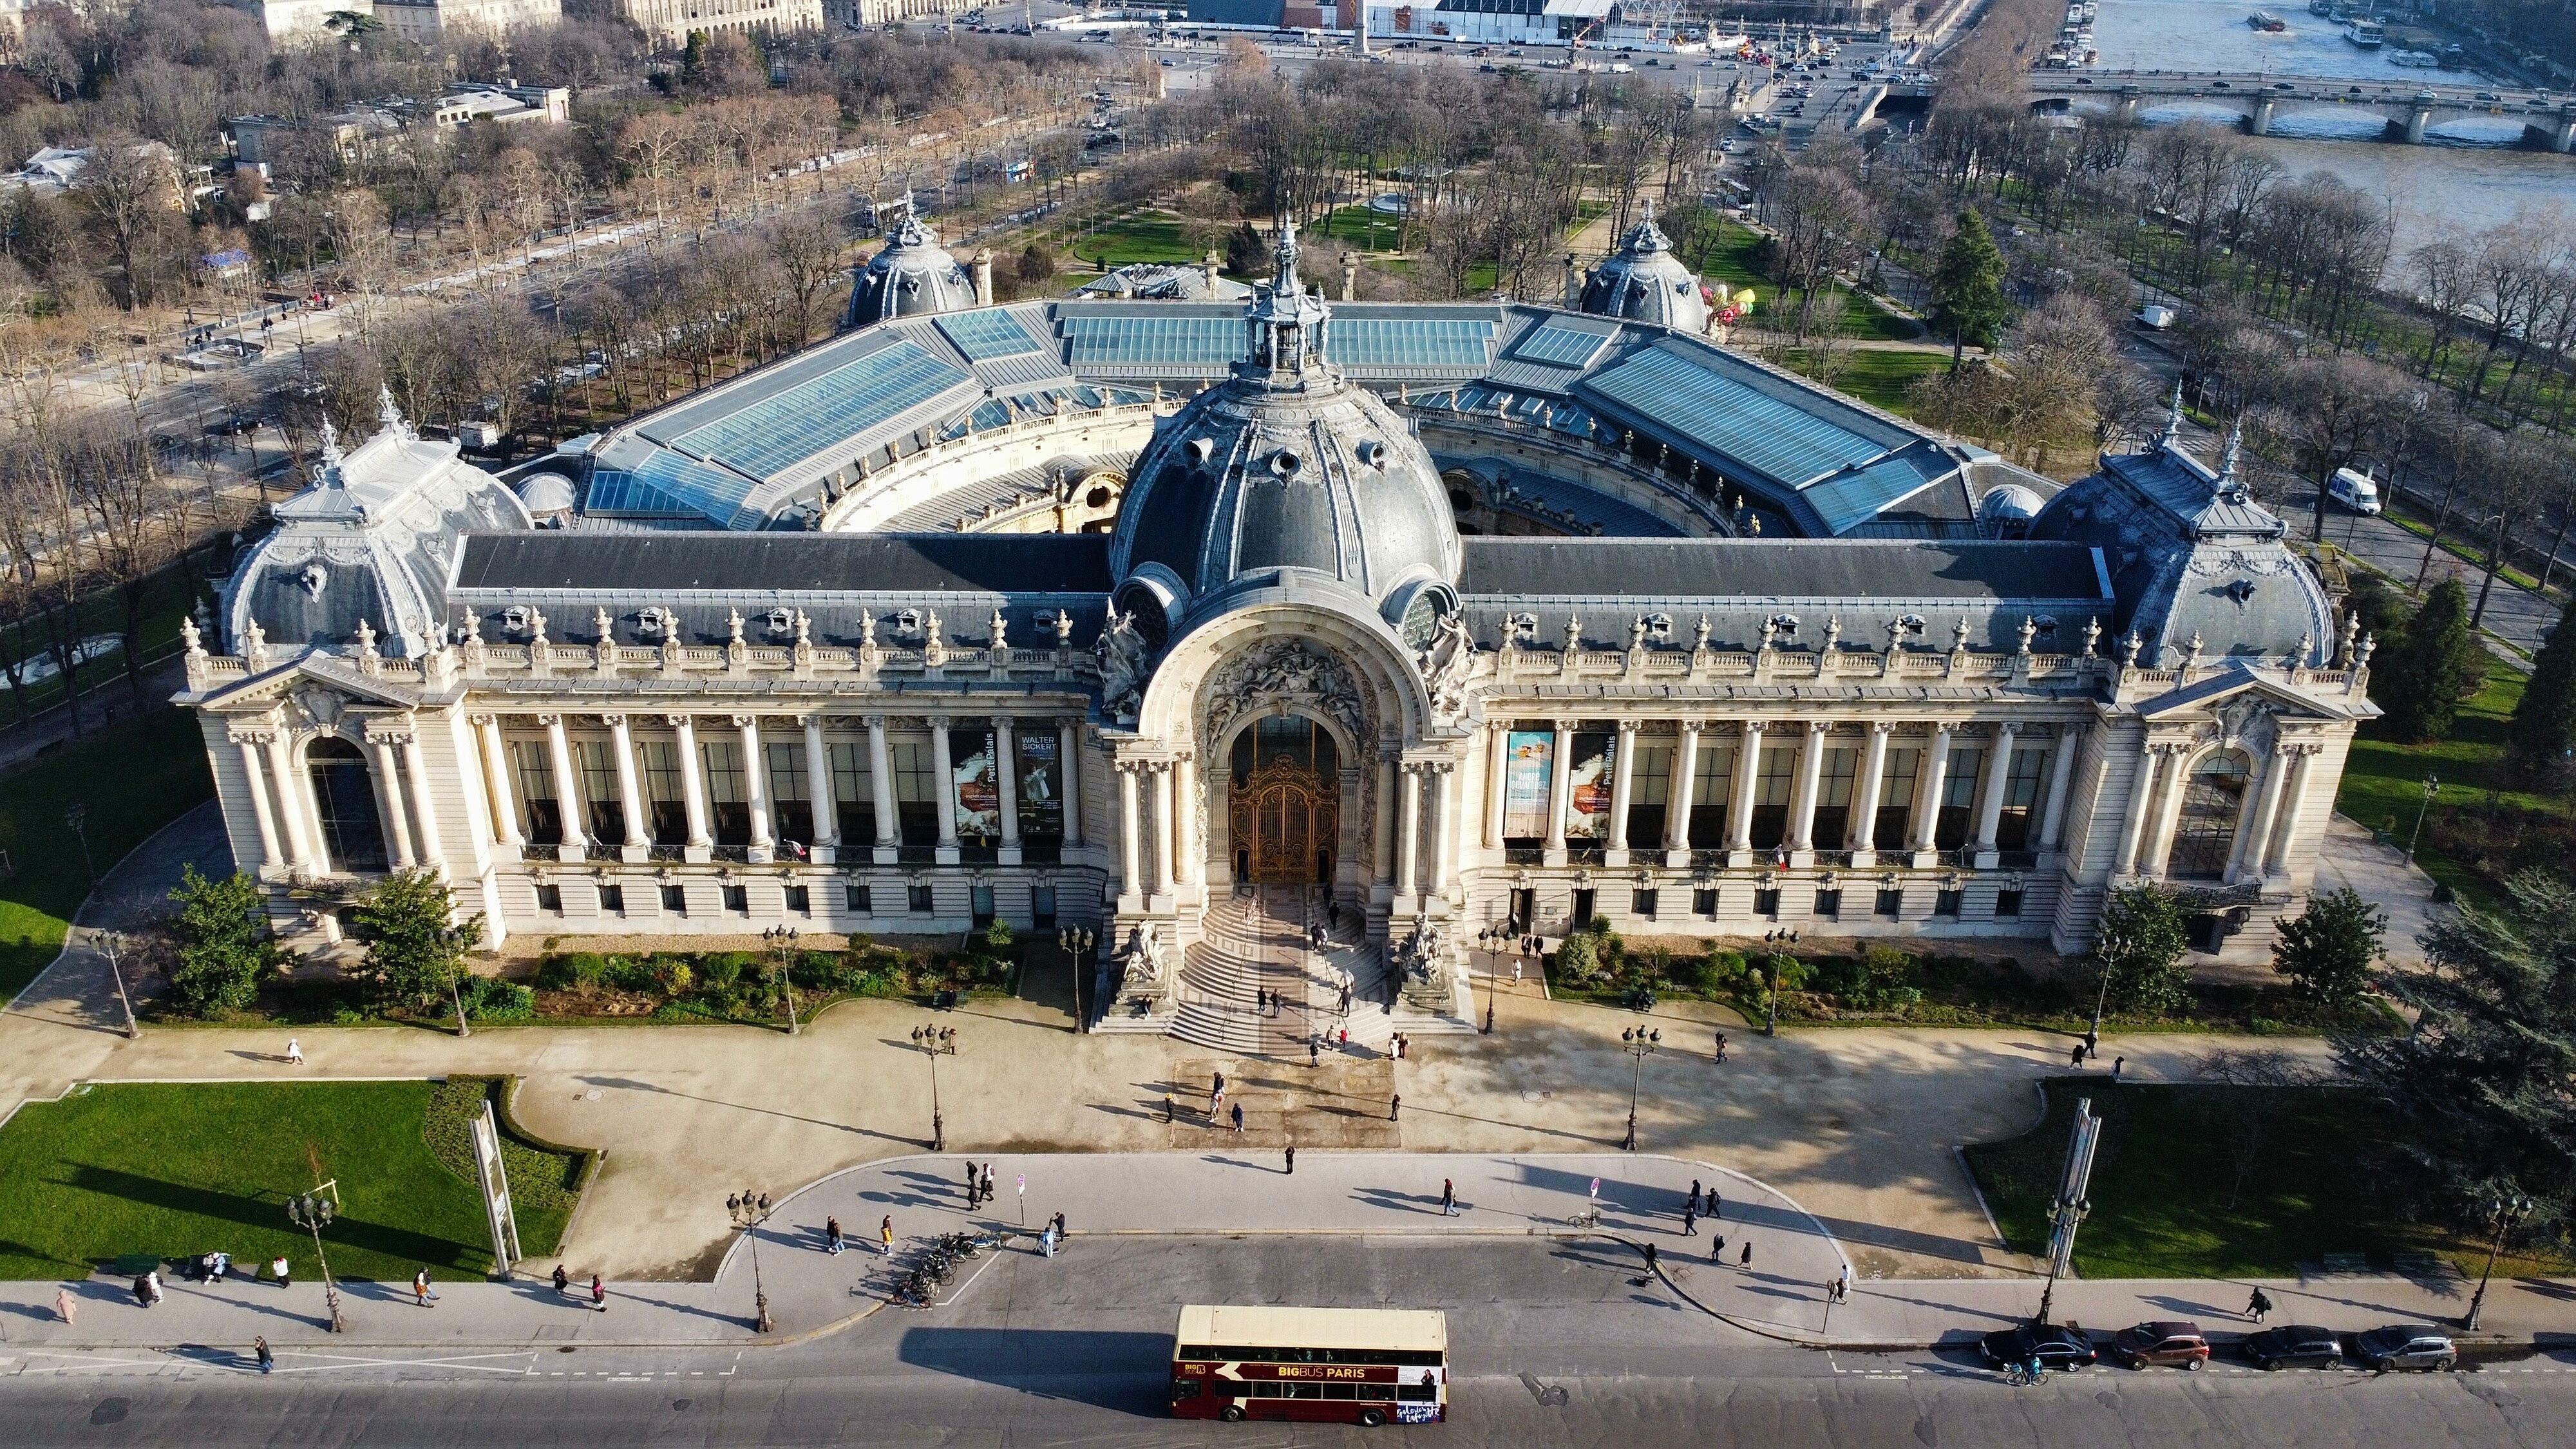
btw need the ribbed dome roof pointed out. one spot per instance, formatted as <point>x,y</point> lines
<point>911,276</point>
<point>1286,465</point>
<point>1645,282</point>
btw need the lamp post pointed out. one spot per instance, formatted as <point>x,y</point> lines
<point>781,941</point>
<point>1491,939</point>
<point>1638,1044</point>
<point>748,1213</point>
<point>1771,982</point>
<point>2506,1209</point>
<point>1078,942</point>
<point>933,1040</point>
<point>76,815</point>
<point>314,1212</point>
<point>2432,787</point>
<point>111,944</point>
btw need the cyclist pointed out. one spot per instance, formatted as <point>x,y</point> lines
<point>2032,1370</point>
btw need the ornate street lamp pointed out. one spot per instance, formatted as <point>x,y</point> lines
<point>1639,1044</point>
<point>314,1212</point>
<point>781,941</point>
<point>1078,942</point>
<point>2505,1209</point>
<point>748,1214</point>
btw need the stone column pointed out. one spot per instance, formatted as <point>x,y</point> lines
<point>881,791</point>
<point>271,858</point>
<point>2133,821</point>
<point>943,769</point>
<point>1802,800</point>
<point>1861,836</point>
<point>1990,798</point>
<point>1164,876</point>
<point>1444,844</point>
<point>496,778</point>
<point>1677,802</point>
<point>1131,873</point>
<point>1498,763</point>
<point>294,817</point>
<point>1382,821</point>
<point>1560,792</point>
<point>576,829</point>
<point>424,810</point>
<point>1739,805</point>
<point>1408,835</point>
<point>693,790</point>
<point>1928,782</point>
<point>825,846</point>
<point>755,787</point>
<point>2254,817</point>
<point>1185,847</point>
<point>2061,769</point>
<point>2169,792</point>
<point>1006,786</point>
<point>1068,779</point>
<point>389,790</point>
<point>638,844</point>
<point>2294,798</point>
<point>1623,764</point>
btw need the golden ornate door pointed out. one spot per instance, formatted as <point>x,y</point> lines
<point>1286,824</point>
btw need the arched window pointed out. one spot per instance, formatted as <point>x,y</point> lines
<point>344,801</point>
<point>2212,799</point>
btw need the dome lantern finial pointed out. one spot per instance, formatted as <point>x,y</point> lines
<point>2173,418</point>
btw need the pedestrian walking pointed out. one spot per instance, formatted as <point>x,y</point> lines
<point>2092,1042</point>
<point>1333,914</point>
<point>988,1182</point>
<point>420,1288</point>
<point>143,1290</point>
<point>1167,1107</point>
<point>1650,1260</point>
<point>1721,1048</point>
<point>2258,1307</point>
<point>1314,1052</point>
<point>1346,1001</point>
<point>1448,1198</point>
<point>974,1180</point>
<point>1516,971</point>
<point>831,1235</point>
<point>1395,1108</point>
<point>1046,1241</point>
<point>1694,1197</point>
<point>152,1285</point>
<point>66,1307</point>
<point>259,1350</point>
<point>2117,1065</point>
<point>1291,1156</point>
<point>563,1280</point>
<point>885,1234</point>
<point>1260,1001</point>
<point>1346,1031</point>
<point>1713,1204</point>
<point>294,1052</point>
<point>1690,1223</point>
<point>1238,1116</point>
<point>1746,1261</point>
<point>2076,1058</point>
<point>1717,1250</point>
<point>1842,1285</point>
<point>598,1295</point>
<point>281,1270</point>
<point>1057,1223</point>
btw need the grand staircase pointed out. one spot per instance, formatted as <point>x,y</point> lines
<point>1255,942</point>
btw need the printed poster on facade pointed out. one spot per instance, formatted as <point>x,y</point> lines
<point>974,780</point>
<point>1041,784</point>
<point>1525,783</point>
<point>1587,797</point>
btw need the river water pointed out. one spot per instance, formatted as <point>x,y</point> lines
<point>2468,177</point>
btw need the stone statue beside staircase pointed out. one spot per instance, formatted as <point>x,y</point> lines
<point>1145,984</point>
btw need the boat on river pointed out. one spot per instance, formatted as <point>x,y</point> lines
<point>2368,34</point>
<point>2266,21</point>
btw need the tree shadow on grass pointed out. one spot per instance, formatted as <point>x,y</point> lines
<point>255,1212</point>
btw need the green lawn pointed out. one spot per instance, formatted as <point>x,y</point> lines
<point>2167,1199</point>
<point>178,1170</point>
<point>1149,237</point>
<point>1877,376</point>
<point>1728,262</point>
<point>1359,227</point>
<point>2383,780</point>
<point>134,777</point>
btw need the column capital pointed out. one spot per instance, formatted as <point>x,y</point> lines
<point>680,721</point>
<point>1755,726</point>
<point>873,721</point>
<point>1691,724</point>
<point>250,735</point>
<point>550,720</point>
<point>613,721</point>
<point>1626,726</point>
<point>1882,726</point>
<point>937,721</point>
<point>395,730</point>
<point>483,719</point>
<point>1817,728</point>
<point>745,721</point>
<point>2007,728</point>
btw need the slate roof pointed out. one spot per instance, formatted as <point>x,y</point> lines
<point>1782,569</point>
<point>654,564</point>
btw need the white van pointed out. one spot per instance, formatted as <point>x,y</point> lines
<point>2354,491</point>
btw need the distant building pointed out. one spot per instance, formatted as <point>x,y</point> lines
<point>301,19</point>
<point>1160,282</point>
<point>426,20</point>
<point>363,129</point>
<point>669,22</point>
<point>56,169</point>
<point>862,14</point>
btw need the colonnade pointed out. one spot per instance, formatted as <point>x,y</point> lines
<point>288,821</point>
<point>2267,823</point>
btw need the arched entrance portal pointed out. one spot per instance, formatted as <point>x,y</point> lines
<point>1284,809</point>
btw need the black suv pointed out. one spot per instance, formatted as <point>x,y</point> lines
<point>2295,1345</point>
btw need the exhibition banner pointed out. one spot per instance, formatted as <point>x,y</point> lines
<point>1525,783</point>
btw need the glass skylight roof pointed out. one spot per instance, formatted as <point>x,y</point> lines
<point>665,483</point>
<point>1565,343</point>
<point>1771,435</point>
<point>1145,341</point>
<point>1464,344</point>
<point>1847,499</point>
<point>789,426</point>
<point>985,334</point>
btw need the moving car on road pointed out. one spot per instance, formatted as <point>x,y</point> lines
<point>2295,1345</point>
<point>2406,1346</point>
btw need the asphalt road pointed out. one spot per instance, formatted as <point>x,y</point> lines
<point>1074,1350</point>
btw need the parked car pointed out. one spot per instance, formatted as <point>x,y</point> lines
<point>2161,1344</point>
<point>2055,1345</point>
<point>2294,1345</point>
<point>2406,1346</point>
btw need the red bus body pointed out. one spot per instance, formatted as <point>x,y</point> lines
<point>1307,1365</point>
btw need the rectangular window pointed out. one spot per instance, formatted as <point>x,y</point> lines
<point>791,810</point>
<point>1642,904</point>
<point>597,761</point>
<point>855,896</point>
<point>2007,902</point>
<point>1649,786</point>
<point>916,790</point>
<point>737,899</point>
<point>1042,906</point>
<point>675,900</point>
<point>1704,901</point>
<point>853,794</point>
<point>1833,799</point>
<point>612,900</point>
<point>1771,787</point>
<point>1895,800</point>
<point>664,787</point>
<point>1712,786</point>
<point>1891,903</point>
<point>1947,903</point>
<point>2017,827</point>
<point>1959,798</point>
<point>540,812</point>
<point>550,898</point>
<point>1829,905</point>
<point>728,806</point>
<point>1766,902</point>
<point>917,898</point>
<point>800,899</point>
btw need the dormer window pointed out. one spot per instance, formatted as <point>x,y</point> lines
<point>780,621</point>
<point>653,619</point>
<point>515,618</point>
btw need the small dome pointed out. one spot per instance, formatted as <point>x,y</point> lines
<point>1285,465</point>
<point>912,276</point>
<point>546,493</point>
<point>1645,282</point>
<point>2009,505</point>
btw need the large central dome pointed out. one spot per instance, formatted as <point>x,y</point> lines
<point>1284,466</point>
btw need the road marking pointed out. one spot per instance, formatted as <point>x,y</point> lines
<point>462,1361</point>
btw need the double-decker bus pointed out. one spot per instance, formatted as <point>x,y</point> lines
<point>1331,1365</point>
